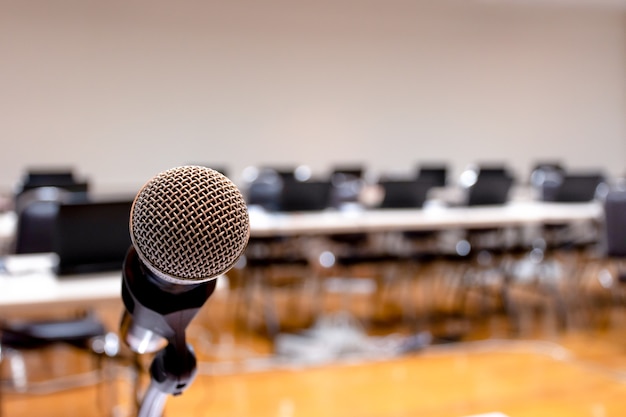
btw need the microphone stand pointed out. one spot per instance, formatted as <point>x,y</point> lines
<point>158,312</point>
<point>167,377</point>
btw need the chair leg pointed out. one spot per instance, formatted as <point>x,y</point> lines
<point>268,315</point>
<point>17,366</point>
<point>269,309</point>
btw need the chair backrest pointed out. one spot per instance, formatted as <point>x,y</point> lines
<point>305,195</point>
<point>490,188</point>
<point>544,169</point>
<point>545,179</point>
<point>36,211</point>
<point>437,174</point>
<point>264,190</point>
<point>347,183</point>
<point>35,227</point>
<point>92,236</point>
<point>574,188</point>
<point>286,172</point>
<point>60,178</point>
<point>49,177</point>
<point>347,172</point>
<point>555,165</point>
<point>404,193</point>
<point>615,223</point>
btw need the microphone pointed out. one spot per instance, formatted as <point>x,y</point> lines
<point>188,225</point>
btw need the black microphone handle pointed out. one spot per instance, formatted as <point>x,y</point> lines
<point>157,306</point>
<point>163,309</point>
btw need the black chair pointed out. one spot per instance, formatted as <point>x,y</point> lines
<point>491,188</point>
<point>437,174</point>
<point>285,173</point>
<point>277,275</point>
<point>601,281</point>
<point>405,193</point>
<point>410,194</point>
<point>552,165</point>
<point>571,188</point>
<point>540,169</point>
<point>304,196</point>
<point>264,189</point>
<point>347,183</point>
<point>371,265</point>
<point>49,177</point>
<point>482,283</point>
<point>615,223</point>
<point>559,254</point>
<point>36,211</point>
<point>91,236</point>
<point>84,332</point>
<point>38,231</point>
<point>60,178</point>
<point>414,251</point>
<point>35,227</point>
<point>354,171</point>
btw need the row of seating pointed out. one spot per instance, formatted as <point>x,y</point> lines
<point>314,265</point>
<point>483,264</point>
<point>282,190</point>
<point>555,181</point>
<point>56,214</point>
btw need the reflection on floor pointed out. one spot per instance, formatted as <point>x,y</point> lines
<point>450,357</point>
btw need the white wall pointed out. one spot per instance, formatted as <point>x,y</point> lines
<point>124,89</point>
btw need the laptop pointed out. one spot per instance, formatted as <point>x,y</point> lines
<point>91,236</point>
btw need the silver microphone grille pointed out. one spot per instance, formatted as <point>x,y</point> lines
<point>189,224</point>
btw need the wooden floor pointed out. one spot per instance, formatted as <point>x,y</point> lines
<point>546,372</point>
<point>580,376</point>
<point>519,379</point>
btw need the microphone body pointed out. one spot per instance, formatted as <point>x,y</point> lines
<point>156,311</point>
<point>188,225</point>
<point>156,318</point>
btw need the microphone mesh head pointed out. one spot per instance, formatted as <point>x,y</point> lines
<point>189,224</point>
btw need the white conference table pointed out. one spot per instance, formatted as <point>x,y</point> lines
<point>38,292</point>
<point>32,285</point>
<point>513,214</point>
<point>29,285</point>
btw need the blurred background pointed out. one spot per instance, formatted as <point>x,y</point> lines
<point>516,307</point>
<point>120,90</point>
